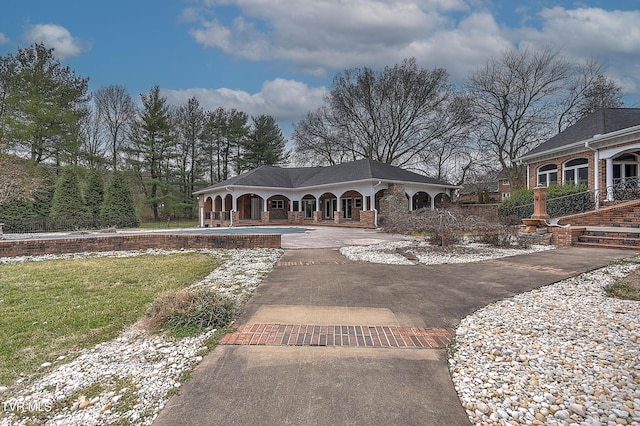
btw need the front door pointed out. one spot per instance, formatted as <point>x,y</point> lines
<point>309,206</point>
<point>256,208</point>
<point>346,207</point>
<point>330,205</point>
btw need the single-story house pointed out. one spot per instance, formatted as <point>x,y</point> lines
<point>346,194</point>
<point>601,150</point>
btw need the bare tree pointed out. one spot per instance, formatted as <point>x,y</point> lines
<point>389,115</point>
<point>92,149</point>
<point>588,90</point>
<point>515,99</point>
<point>318,141</point>
<point>116,109</point>
<point>449,153</point>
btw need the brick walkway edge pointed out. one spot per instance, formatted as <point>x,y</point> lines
<point>339,335</point>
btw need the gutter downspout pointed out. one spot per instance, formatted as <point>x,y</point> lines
<point>596,173</point>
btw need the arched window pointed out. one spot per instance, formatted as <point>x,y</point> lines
<point>576,172</point>
<point>548,175</point>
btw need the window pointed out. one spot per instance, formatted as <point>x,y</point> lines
<point>625,168</point>
<point>506,195</point>
<point>548,175</point>
<point>277,204</point>
<point>357,203</point>
<point>505,182</point>
<point>576,172</point>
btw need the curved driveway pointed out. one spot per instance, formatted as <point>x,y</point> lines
<point>266,385</point>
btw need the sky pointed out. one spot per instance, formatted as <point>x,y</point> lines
<point>279,57</point>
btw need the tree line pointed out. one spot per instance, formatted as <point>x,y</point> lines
<point>402,115</point>
<point>162,152</point>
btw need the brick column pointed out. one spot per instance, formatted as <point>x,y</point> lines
<point>540,203</point>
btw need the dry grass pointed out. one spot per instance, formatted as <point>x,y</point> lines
<point>626,288</point>
<point>189,311</point>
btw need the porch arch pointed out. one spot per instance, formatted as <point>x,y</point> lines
<point>350,204</point>
<point>328,205</point>
<point>250,206</point>
<point>421,200</point>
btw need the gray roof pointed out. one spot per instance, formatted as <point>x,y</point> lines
<point>601,122</point>
<point>300,177</point>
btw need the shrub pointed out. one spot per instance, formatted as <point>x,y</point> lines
<point>67,198</point>
<point>190,311</point>
<point>513,206</point>
<point>446,226</point>
<point>117,208</point>
<point>509,207</point>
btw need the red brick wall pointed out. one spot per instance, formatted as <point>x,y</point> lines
<point>599,217</point>
<point>11,248</point>
<point>565,237</point>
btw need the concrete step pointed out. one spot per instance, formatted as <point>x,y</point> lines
<point>610,237</point>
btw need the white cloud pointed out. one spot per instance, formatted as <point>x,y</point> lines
<point>326,36</point>
<point>589,31</point>
<point>333,34</point>
<point>4,39</point>
<point>285,100</point>
<point>56,37</point>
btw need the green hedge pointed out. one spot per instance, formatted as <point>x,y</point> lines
<point>520,203</point>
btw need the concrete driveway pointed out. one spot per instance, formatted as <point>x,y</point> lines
<point>258,381</point>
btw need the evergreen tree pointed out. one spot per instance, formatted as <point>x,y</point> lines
<point>265,145</point>
<point>118,208</point>
<point>94,193</point>
<point>150,148</point>
<point>68,203</point>
<point>43,105</point>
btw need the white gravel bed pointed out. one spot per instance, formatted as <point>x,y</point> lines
<point>413,252</point>
<point>130,378</point>
<point>565,354</point>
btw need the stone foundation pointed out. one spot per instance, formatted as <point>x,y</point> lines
<point>535,238</point>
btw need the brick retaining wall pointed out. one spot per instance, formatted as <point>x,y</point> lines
<point>38,246</point>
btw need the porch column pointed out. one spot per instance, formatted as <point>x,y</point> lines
<point>596,178</point>
<point>609,179</point>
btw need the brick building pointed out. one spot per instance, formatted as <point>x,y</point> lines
<point>345,194</point>
<point>602,150</point>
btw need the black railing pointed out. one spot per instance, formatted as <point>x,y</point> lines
<point>566,205</point>
<point>222,216</point>
<point>32,225</point>
<point>622,190</point>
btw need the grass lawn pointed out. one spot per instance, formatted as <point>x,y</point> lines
<point>52,308</point>
<point>173,224</point>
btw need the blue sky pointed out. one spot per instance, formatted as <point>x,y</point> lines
<point>278,57</point>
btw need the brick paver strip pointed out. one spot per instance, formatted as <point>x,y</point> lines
<point>339,335</point>
<point>310,263</point>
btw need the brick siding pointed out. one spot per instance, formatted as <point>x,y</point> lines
<point>12,248</point>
